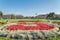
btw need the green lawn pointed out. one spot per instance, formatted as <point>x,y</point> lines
<point>28,20</point>
<point>4,38</point>
<point>13,20</point>
<point>19,20</point>
<point>54,38</point>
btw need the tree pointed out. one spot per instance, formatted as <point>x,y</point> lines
<point>32,17</point>
<point>1,14</point>
<point>51,15</point>
<point>13,16</point>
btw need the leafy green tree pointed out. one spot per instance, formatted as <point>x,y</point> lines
<point>13,16</point>
<point>51,15</point>
<point>1,14</point>
<point>32,17</point>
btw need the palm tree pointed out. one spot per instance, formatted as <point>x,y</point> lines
<point>1,14</point>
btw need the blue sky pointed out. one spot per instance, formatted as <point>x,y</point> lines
<point>29,7</point>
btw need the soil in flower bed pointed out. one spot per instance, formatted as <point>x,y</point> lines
<point>3,22</point>
<point>30,26</point>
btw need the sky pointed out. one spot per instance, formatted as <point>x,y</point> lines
<point>29,7</point>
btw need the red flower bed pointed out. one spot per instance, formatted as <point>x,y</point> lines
<point>30,26</point>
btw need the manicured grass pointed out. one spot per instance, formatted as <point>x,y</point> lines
<point>28,20</point>
<point>1,24</point>
<point>14,20</point>
<point>4,38</point>
<point>19,20</point>
<point>51,38</point>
